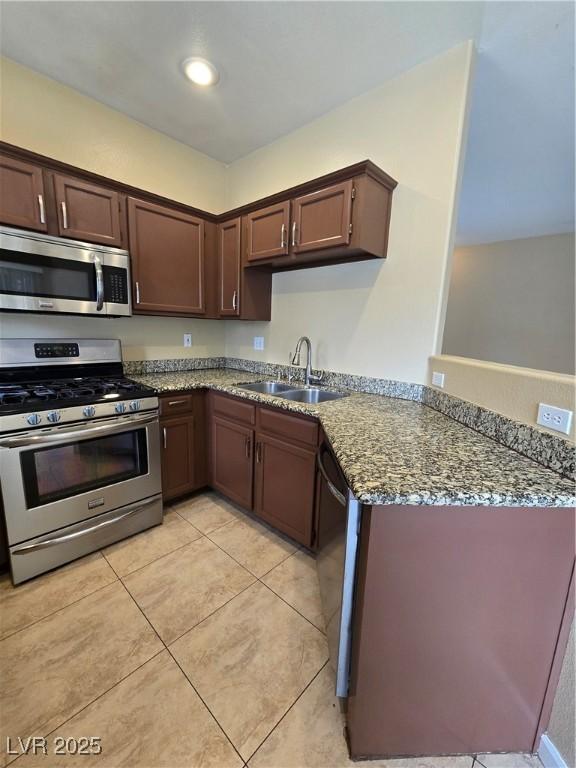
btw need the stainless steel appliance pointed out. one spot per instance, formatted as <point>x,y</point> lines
<point>39,273</point>
<point>339,514</point>
<point>79,451</point>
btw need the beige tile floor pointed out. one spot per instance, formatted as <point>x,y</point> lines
<point>199,643</point>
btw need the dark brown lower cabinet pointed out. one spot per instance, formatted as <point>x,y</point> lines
<point>183,440</point>
<point>177,436</point>
<point>232,460</point>
<point>284,486</point>
<point>459,619</point>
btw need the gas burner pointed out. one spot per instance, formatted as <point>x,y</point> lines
<point>12,393</point>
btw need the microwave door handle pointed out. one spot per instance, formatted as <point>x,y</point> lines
<point>99,283</point>
<point>81,432</point>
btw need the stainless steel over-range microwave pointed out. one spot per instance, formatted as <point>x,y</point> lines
<point>39,273</point>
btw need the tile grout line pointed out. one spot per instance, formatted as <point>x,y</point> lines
<point>63,608</point>
<point>302,692</point>
<point>322,632</point>
<point>191,684</point>
<point>160,557</point>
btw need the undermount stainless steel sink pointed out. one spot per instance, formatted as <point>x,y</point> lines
<point>312,395</point>
<point>267,387</point>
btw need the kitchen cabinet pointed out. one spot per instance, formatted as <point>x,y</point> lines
<point>167,249</point>
<point>22,196</point>
<point>468,645</point>
<point>229,267</point>
<point>242,293</point>
<point>345,221</point>
<point>267,232</point>
<point>322,219</point>
<point>284,486</point>
<point>87,211</point>
<point>177,456</point>
<point>232,460</point>
<point>183,439</point>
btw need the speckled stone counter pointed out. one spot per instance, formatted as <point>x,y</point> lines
<point>396,451</point>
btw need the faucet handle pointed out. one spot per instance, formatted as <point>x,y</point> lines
<point>316,379</point>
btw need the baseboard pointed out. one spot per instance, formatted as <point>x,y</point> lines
<point>549,755</point>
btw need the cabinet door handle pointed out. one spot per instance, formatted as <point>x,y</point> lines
<point>294,233</point>
<point>64,215</point>
<point>164,436</point>
<point>283,233</point>
<point>42,211</point>
<point>248,447</point>
<point>235,300</point>
<point>258,453</point>
<point>137,292</point>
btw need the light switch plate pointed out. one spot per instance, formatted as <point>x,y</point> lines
<point>187,339</point>
<point>559,419</point>
<point>438,379</point>
<point>259,342</point>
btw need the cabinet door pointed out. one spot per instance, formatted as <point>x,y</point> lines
<point>267,232</point>
<point>167,249</point>
<point>322,219</point>
<point>229,268</point>
<point>285,482</point>
<point>22,200</point>
<point>232,460</point>
<point>177,456</point>
<point>87,211</point>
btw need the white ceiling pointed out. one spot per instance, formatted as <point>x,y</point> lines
<point>283,64</point>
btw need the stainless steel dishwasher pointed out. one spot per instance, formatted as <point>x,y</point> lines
<point>338,527</point>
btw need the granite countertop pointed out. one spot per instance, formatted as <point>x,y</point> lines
<point>396,451</point>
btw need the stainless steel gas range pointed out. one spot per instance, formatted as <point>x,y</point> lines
<point>79,451</point>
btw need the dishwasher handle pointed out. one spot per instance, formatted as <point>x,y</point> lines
<point>340,498</point>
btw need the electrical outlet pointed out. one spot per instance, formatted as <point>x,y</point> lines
<point>438,379</point>
<point>259,342</point>
<point>187,339</point>
<point>554,418</point>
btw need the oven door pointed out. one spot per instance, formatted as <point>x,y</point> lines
<point>40,275</point>
<point>56,477</point>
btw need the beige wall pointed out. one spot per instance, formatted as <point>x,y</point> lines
<point>506,389</point>
<point>374,318</point>
<point>513,302</point>
<point>46,117</point>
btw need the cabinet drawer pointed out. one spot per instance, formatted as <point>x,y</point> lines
<point>298,428</point>
<point>172,405</point>
<point>232,408</point>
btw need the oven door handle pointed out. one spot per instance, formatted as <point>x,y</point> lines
<point>99,283</point>
<point>48,541</point>
<point>80,432</point>
<point>331,487</point>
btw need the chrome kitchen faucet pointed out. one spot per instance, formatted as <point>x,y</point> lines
<point>309,378</point>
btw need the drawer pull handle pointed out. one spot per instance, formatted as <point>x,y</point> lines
<point>176,402</point>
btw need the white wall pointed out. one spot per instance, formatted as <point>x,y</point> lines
<point>374,318</point>
<point>513,302</point>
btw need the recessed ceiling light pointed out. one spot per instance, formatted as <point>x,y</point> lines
<point>200,71</point>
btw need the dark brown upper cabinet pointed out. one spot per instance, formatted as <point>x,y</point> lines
<point>322,219</point>
<point>267,232</point>
<point>87,211</point>
<point>330,223</point>
<point>167,249</point>
<point>229,267</point>
<point>22,198</point>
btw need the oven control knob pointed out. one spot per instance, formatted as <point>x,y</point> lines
<point>34,419</point>
<point>120,407</point>
<point>53,417</point>
<point>89,411</point>
<point>135,405</point>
